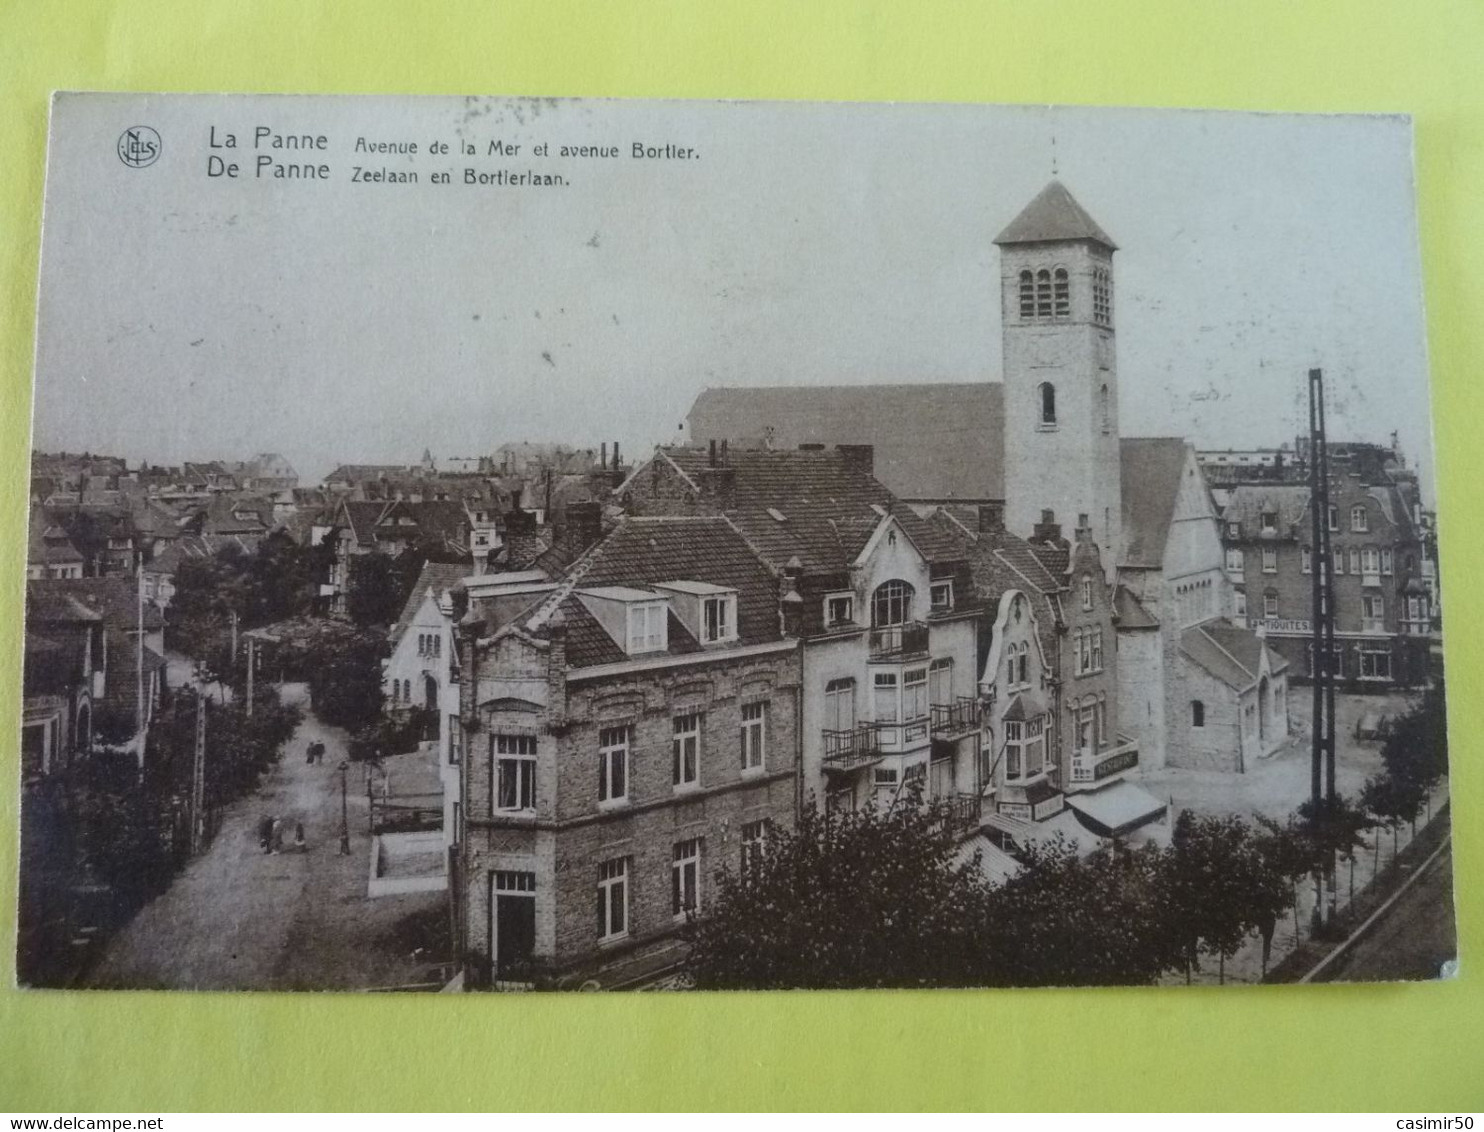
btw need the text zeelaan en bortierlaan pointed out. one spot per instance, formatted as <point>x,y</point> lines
<point>264,154</point>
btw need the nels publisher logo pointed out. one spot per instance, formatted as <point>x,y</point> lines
<point>139,146</point>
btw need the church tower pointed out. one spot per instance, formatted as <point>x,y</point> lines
<point>1061,447</point>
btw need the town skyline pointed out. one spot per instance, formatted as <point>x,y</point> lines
<point>1248,256</point>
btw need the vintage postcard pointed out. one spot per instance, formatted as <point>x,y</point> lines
<point>508,544</point>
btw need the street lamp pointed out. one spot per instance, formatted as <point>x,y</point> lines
<point>344,809</point>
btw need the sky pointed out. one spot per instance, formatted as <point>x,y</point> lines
<point>185,316</point>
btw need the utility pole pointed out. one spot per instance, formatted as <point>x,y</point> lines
<point>139,713</point>
<point>198,777</point>
<point>234,636</point>
<point>1322,744</point>
<point>252,656</point>
<point>344,809</point>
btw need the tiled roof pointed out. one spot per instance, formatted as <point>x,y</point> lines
<point>1150,470</point>
<point>935,441</point>
<point>1054,214</point>
<point>115,598</point>
<point>197,548</point>
<point>1230,654</point>
<point>440,577</point>
<point>829,507</point>
<point>1247,503</point>
<point>48,604</point>
<point>640,552</point>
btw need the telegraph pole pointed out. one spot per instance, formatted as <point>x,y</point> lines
<point>1318,523</point>
<point>198,776</point>
<point>251,664</point>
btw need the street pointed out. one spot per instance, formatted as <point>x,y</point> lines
<point>1413,938</point>
<point>237,918</point>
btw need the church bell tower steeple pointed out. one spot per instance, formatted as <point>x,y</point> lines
<point>1061,446</point>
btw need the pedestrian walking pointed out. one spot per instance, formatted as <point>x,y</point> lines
<point>319,752</point>
<point>309,754</point>
<point>277,836</point>
<point>299,836</point>
<point>265,832</point>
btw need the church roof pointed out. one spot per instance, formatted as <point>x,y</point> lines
<point>936,441</point>
<point>1149,469</point>
<point>1054,215</point>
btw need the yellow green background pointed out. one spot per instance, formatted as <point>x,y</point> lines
<point>1416,1048</point>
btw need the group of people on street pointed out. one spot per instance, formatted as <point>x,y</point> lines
<point>271,833</point>
<point>315,753</point>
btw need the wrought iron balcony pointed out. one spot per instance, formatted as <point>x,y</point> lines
<point>961,717</point>
<point>958,813</point>
<point>851,747</point>
<point>907,639</point>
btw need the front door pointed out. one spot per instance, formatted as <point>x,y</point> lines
<point>513,925</point>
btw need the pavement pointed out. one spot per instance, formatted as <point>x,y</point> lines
<point>239,919</point>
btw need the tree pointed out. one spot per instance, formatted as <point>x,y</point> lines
<point>1066,920</point>
<point>345,678</point>
<point>374,594</point>
<point>869,898</point>
<point>1392,803</point>
<point>1290,854</point>
<point>1415,752</point>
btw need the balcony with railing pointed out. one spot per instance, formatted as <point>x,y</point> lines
<point>1090,768</point>
<point>893,641</point>
<point>961,717</point>
<point>960,814</point>
<point>852,747</point>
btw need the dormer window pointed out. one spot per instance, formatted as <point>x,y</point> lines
<point>647,627</point>
<point>839,609</point>
<point>718,619</point>
<point>1269,521</point>
<point>941,596</point>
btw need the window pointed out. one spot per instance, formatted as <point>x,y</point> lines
<point>1035,745</point>
<point>613,898</point>
<point>613,764</point>
<point>1234,530</point>
<point>1197,713</point>
<point>685,770</point>
<point>1104,411</point>
<point>437,645</point>
<point>455,740</point>
<point>1386,561</point>
<point>1269,560</point>
<point>1043,293</point>
<point>754,845</point>
<point>1027,295</point>
<point>1062,292</point>
<point>1373,609</point>
<point>1370,561</point>
<point>1014,745</point>
<point>1358,518</point>
<point>1375,664</point>
<point>1048,404</point>
<point>1306,560</point>
<point>839,609</point>
<point>647,627</point>
<point>685,877</point>
<point>1337,557</point>
<point>754,735</point>
<point>1334,517</point>
<point>1087,591</point>
<point>1096,640</point>
<point>515,771</point>
<point>1354,561</point>
<point>1102,296</point>
<point>1240,597</point>
<point>1235,562</point>
<point>941,594</point>
<point>884,701</point>
<point>839,705</point>
<point>891,604</point>
<point>1270,520</point>
<point>940,681</point>
<point>914,693</point>
<point>718,619</point>
<point>1270,603</point>
<point>1022,667</point>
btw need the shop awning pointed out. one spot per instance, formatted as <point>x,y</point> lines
<point>996,865</point>
<point>1116,809</point>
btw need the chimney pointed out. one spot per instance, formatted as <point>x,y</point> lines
<point>604,448</point>
<point>521,544</point>
<point>584,524</point>
<point>791,604</point>
<point>991,517</point>
<point>718,485</point>
<point>711,454</point>
<point>862,457</point>
<point>1048,530</point>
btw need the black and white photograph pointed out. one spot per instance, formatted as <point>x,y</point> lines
<point>502,544</point>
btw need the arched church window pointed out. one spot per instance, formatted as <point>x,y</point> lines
<point>1048,403</point>
<point>1043,293</point>
<point>1027,295</point>
<point>1103,410</point>
<point>1061,289</point>
<point>1102,296</point>
<point>1197,713</point>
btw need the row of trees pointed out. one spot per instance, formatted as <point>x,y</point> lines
<point>885,898</point>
